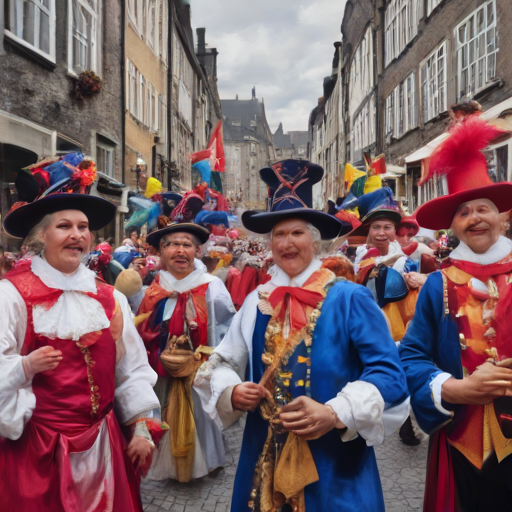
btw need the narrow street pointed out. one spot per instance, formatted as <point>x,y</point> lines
<point>402,470</point>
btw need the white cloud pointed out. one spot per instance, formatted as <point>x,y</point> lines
<point>283,47</point>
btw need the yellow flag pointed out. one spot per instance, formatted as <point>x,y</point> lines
<point>372,184</point>
<point>351,175</point>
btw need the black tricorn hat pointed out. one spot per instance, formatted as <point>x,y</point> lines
<point>178,227</point>
<point>19,221</point>
<point>291,184</point>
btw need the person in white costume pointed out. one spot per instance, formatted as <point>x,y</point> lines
<point>73,370</point>
<point>184,314</point>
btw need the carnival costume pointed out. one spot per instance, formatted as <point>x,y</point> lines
<point>462,320</point>
<point>180,321</point>
<point>61,444</point>
<point>307,336</point>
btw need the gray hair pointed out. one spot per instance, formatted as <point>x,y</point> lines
<point>195,240</point>
<point>34,240</point>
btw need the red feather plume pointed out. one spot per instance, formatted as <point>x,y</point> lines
<point>463,146</point>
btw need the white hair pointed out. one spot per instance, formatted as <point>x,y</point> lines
<point>34,240</point>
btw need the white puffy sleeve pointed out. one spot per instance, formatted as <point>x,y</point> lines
<point>226,367</point>
<point>17,400</point>
<point>134,395</point>
<point>220,311</point>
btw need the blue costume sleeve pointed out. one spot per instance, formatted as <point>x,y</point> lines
<point>419,352</point>
<point>376,349</point>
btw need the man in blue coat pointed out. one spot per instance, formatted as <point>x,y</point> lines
<point>458,348</point>
<point>310,358</point>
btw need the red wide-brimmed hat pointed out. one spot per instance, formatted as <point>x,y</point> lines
<point>460,158</point>
<point>410,222</point>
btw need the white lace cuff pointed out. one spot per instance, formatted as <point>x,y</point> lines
<point>436,388</point>
<point>225,410</point>
<point>359,407</point>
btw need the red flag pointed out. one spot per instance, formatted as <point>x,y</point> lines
<point>216,146</point>
<point>378,165</point>
<point>215,151</point>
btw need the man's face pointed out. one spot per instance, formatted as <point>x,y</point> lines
<point>293,248</point>
<point>477,223</point>
<point>177,253</point>
<point>405,234</point>
<point>381,233</point>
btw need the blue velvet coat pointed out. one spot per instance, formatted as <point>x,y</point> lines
<point>430,346</point>
<point>351,342</point>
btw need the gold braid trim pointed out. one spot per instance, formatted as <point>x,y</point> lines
<point>265,496</point>
<point>95,395</point>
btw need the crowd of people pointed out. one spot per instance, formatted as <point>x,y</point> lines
<point>325,328</point>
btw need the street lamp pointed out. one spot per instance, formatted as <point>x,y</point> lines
<point>140,167</point>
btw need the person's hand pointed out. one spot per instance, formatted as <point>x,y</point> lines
<point>41,360</point>
<point>415,280</point>
<point>247,396</point>
<point>309,419</point>
<point>140,452</point>
<point>485,384</point>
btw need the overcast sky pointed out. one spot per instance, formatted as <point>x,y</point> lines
<point>283,47</point>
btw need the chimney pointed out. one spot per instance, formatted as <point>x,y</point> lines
<point>201,44</point>
<point>254,93</point>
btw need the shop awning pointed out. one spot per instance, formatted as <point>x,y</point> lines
<point>492,115</point>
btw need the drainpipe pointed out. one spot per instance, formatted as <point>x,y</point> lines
<point>123,89</point>
<point>170,59</point>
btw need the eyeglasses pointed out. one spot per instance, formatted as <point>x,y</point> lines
<point>177,245</point>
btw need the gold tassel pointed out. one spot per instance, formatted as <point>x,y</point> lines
<point>180,418</point>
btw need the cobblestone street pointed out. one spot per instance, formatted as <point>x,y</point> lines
<point>402,470</point>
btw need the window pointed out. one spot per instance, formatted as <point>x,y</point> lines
<point>411,105</point>
<point>401,108</point>
<point>32,23</point>
<point>401,26</point>
<point>162,119</point>
<point>431,5</point>
<point>152,26</point>
<point>390,114</point>
<point>433,84</point>
<point>363,126</point>
<point>142,100</point>
<point>361,72</point>
<point>154,110</point>
<point>476,41</point>
<point>497,163</point>
<point>84,46</point>
<point>133,91</point>
<point>105,157</point>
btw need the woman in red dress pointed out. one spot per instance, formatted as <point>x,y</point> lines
<point>73,369</point>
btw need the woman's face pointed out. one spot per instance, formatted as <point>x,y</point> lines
<point>381,233</point>
<point>293,248</point>
<point>66,240</point>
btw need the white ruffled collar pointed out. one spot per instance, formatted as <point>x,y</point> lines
<point>74,314</point>
<point>501,249</point>
<point>280,278</point>
<point>196,278</point>
<point>83,280</point>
